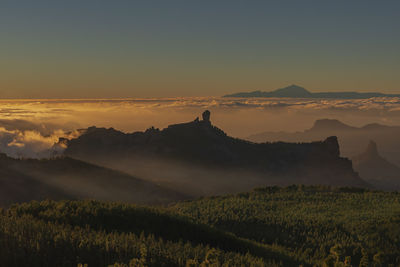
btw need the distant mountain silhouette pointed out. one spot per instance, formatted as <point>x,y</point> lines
<point>376,170</point>
<point>331,125</point>
<point>199,158</point>
<point>65,178</point>
<point>294,91</point>
<point>352,139</point>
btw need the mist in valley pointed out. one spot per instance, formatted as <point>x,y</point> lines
<point>33,129</point>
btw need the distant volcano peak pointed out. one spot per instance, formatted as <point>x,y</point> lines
<point>293,90</point>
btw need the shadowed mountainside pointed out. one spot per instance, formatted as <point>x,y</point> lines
<point>66,178</point>
<point>198,158</point>
<point>376,170</point>
<point>294,91</point>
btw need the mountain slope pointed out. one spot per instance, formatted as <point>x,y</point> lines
<point>198,158</point>
<point>66,178</point>
<point>294,91</point>
<point>377,170</point>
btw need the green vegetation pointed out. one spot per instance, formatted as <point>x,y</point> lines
<point>292,226</point>
<point>325,226</point>
<point>67,233</point>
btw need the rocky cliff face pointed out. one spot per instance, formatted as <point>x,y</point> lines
<point>199,144</point>
<point>376,170</point>
<point>352,139</point>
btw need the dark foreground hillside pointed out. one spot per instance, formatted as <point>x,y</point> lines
<point>318,224</point>
<point>68,233</point>
<point>292,226</point>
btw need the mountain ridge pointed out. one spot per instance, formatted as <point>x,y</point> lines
<point>352,139</point>
<point>295,91</point>
<point>204,158</point>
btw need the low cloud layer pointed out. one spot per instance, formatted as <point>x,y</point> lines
<point>29,128</point>
<point>32,143</point>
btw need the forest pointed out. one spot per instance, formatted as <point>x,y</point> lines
<point>269,226</point>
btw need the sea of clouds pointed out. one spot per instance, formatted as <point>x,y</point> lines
<point>30,128</point>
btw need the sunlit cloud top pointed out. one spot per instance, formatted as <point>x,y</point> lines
<point>137,114</point>
<point>31,127</point>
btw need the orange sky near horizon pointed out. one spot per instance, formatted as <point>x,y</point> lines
<point>119,49</point>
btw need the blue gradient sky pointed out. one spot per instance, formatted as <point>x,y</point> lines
<point>97,49</point>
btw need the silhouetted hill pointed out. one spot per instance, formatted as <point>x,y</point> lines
<point>352,139</point>
<point>294,91</point>
<point>330,125</point>
<point>198,158</point>
<point>67,178</point>
<point>377,170</point>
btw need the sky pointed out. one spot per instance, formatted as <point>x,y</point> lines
<point>122,49</point>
